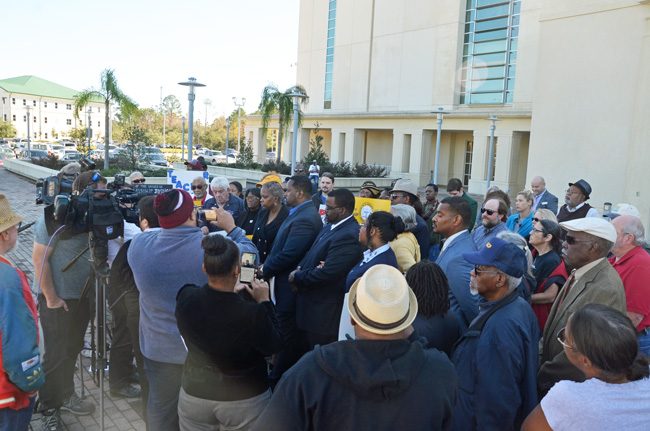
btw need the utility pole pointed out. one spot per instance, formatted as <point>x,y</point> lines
<point>238,104</point>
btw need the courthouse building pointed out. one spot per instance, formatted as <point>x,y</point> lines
<point>568,82</point>
<point>49,106</point>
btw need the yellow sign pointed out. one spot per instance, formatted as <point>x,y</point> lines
<point>363,207</point>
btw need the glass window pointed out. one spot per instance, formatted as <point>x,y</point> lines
<point>68,122</point>
<point>45,104</point>
<point>490,35</point>
<point>493,12</point>
<point>34,102</point>
<point>487,97</point>
<point>490,59</point>
<point>13,100</point>
<point>493,46</point>
<point>482,3</point>
<point>329,55</point>
<point>492,24</point>
<point>488,85</point>
<point>24,102</point>
<point>45,120</point>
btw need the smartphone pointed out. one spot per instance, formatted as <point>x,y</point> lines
<point>248,268</point>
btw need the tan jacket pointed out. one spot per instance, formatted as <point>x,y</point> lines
<point>599,285</point>
<point>406,249</point>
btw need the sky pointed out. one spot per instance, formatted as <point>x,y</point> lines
<point>235,47</point>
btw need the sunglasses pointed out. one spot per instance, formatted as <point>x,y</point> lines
<point>200,187</point>
<point>138,181</point>
<point>572,240</point>
<point>478,271</point>
<point>539,230</point>
<point>537,220</point>
<point>489,212</point>
<point>561,338</point>
<point>396,196</point>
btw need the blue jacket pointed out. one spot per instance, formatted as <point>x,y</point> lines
<point>462,303</point>
<point>386,258</point>
<point>321,290</point>
<point>524,228</point>
<point>497,370</point>
<point>234,206</point>
<point>163,261</point>
<point>481,235</point>
<point>292,241</point>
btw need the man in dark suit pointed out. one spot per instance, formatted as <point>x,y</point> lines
<point>295,236</point>
<point>543,198</point>
<point>452,221</point>
<point>320,278</point>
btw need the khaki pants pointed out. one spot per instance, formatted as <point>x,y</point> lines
<point>198,414</point>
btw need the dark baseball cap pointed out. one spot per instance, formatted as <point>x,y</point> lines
<point>502,255</point>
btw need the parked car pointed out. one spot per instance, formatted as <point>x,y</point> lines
<point>57,150</point>
<point>71,156</point>
<point>156,160</point>
<point>96,154</point>
<point>35,154</point>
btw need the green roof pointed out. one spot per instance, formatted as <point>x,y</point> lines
<point>33,85</point>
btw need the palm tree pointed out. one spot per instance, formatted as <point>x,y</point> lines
<point>109,93</point>
<point>275,101</point>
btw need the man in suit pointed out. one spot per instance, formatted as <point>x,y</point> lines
<point>295,236</point>
<point>452,221</point>
<point>542,197</point>
<point>320,278</point>
<point>593,280</point>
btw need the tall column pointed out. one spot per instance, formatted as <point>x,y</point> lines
<point>303,143</point>
<point>258,143</point>
<point>353,145</point>
<point>478,177</point>
<point>337,151</point>
<point>503,170</point>
<point>420,155</point>
<point>286,147</point>
<point>401,155</point>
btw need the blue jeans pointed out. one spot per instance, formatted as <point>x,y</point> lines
<point>164,387</point>
<point>644,342</point>
<point>16,420</point>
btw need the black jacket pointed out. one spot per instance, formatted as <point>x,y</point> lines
<point>364,385</point>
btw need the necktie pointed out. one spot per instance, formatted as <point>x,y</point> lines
<point>568,285</point>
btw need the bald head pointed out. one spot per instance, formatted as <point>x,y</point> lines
<point>538,185</point>
<point>629,234</point>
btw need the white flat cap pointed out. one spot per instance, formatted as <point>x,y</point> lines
<point>595,226</point>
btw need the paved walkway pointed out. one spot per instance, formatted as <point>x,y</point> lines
<point>119,414</point>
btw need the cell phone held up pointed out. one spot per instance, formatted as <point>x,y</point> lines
<point>248,268</point>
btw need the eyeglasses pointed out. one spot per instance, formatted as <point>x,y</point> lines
<point>561,338</point>
<point>539,230</point>
<point>478,271</point>
<point>489,212</point>
<point>572,240</point>
<point>396,196</point>
<point>141,180</point>
<point>537,220</point>
<point>200,187</point>
<point>329,208</point>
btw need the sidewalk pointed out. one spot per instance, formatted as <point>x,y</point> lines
<point>120,414</point>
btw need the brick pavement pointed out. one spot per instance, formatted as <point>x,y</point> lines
<point>120,414</point>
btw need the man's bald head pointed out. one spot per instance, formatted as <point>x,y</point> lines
<point>537,185</point>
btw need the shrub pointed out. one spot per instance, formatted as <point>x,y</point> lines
<point>272,166</point>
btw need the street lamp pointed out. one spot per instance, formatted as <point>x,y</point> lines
<point>206,102</point>
<point>192,83</point>
<point>239,104</point>
<point>493,119</point>
<point>89,131</point>
<point>436,162</point>
<point>227,135</point>
<point>297,96</point>
<point>183,139</point>
<point>29,137</point>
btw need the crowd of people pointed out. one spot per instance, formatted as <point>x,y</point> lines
<point>245,308</point>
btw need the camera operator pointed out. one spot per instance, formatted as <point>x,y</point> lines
<point>62,274</point>
<point>163,261</point>
<point>225,382</point>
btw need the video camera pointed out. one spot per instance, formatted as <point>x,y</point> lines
<point>47,189</point>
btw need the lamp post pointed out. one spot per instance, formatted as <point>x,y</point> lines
<point>436,162</point>
<point>192,83</point>
<point>227,136</point>
<point>239,104</point>
<point>29,134</point>
<point>206,102</point>
<point>493,119</point>
<point>297,96</point>
<point>183,139</point>
<point>89,131</point>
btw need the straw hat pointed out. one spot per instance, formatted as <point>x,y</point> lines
<point>8,217</point>
<point>382,302</point>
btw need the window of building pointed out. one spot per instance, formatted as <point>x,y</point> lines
<point>56,105</point>
<point>45,135</point>
<point>489,51</point>
<point>4,100</point>
<point>68,122</point>
<point>13,117</point>
<point>34,102</point>
<point>329,54</point>
<point>45,104</point>
<point>34,117</point>
<point>4,117</point>
<point>24,102</point>
<point>99,109</point>
<point>68,106</point>
<point>467,172</point>
<point>13,100</point>
<point>45,120</point>
<point>24,118</point>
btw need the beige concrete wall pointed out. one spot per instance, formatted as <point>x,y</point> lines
<point>591,100</point>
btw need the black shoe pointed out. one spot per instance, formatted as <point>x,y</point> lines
<point>51,420</point>
<point>128,391</point>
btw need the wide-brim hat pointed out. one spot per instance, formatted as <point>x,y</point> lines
<point>382,302</point>
<point>595,226</point>
<point>8,217</point>
<point>407,186</point>
<point>370,185</point>
<point>584,186</point>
